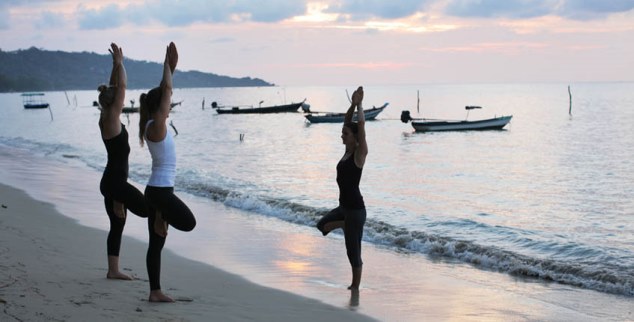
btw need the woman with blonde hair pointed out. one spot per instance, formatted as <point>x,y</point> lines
<point>165,208</point>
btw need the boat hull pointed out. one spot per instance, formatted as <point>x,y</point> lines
<point>260,110</point>
<point>34,100</point>
<point>370,114</point>
<point>34,106</point>
<point>128,110</point>
<point>436,126</point>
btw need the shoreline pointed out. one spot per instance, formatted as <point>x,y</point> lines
<point>260,251</point>
<point>54,269</point>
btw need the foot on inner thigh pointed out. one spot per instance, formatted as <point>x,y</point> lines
<point>119,209</point>
<point>160,225</point>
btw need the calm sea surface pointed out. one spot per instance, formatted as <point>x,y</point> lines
<point>551,196</point>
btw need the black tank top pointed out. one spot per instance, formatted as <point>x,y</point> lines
<point>118,150</point>
<point>348,178</point>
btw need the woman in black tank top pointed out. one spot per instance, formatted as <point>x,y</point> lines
<point>118,194</point>
<point>350,214</point>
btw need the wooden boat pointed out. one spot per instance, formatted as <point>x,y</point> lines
<point>321,117</point>
<point>34,100</point>
<point>433,125</point>
<point>257,110</point>
<point>133,109</point>
<point>129,109</point>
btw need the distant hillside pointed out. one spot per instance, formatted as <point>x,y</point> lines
<point>40,70</point>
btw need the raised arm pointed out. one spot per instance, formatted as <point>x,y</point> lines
<point>350,112</point>
<point>118,77</point>
<point>171,59</point>
<point>362,147</point>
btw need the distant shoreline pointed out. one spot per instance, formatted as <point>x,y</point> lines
<point>30,70</point>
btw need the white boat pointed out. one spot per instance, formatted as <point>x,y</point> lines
<point>496,123</point>
<point>429,125</point>
<point>322,117</point>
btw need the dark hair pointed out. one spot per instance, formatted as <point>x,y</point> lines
<point>150,103</point>
<point>106,95</point>
<point>353,126</point>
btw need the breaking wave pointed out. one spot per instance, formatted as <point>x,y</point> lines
<point>594,275</point>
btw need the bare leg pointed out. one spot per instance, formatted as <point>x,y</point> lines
<point>113,270</point>
<point>356,278</point>
<point>160,225</point>
<point>158,296</point>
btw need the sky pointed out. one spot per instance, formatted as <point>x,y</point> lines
<point>346,42</point>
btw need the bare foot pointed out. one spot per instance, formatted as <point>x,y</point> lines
<point>118,276</point>
<point>158,296</point>
<point>160,226</point>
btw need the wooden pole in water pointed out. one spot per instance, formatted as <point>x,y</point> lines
<point>175,130</point>
<point>570,97</point>
<point>418,101</point>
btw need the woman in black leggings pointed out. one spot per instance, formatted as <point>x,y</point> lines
<point>118,194</point>
<point>165,208</point>
<point>350,215</point>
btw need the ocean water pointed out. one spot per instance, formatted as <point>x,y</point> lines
<point>549,198</point>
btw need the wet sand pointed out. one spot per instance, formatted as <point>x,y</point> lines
<point>53,266</point>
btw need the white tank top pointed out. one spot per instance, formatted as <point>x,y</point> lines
<point>163,160</point>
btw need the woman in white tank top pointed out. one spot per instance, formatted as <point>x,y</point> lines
<point>165,208</point>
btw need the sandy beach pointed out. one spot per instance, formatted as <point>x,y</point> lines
<point>53,269</point>
<point>236,266</point>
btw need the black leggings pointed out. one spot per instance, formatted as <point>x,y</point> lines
<point>176,214</point>
<point>131,198</point>
<point>353,219</point>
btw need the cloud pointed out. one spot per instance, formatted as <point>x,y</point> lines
<point>4,19</point>
<point>521,9</point>
<point>5,15</point>
<point>50,20</point>
<point>495,8</point>
<point>593,9</point>
<point>270,10</point>
<point>107,17</point>
<point>184,13</point>
<point>361,9</point>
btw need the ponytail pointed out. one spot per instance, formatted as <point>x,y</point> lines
<point>150,103</point>
<point>144,117</point>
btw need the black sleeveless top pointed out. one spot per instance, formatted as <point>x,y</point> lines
<point>348,178</point>
<point>118,150</point>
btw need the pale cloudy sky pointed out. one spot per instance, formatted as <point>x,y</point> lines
<point>346,42</point>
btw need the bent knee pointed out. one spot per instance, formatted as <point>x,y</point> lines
<point>190,226</point>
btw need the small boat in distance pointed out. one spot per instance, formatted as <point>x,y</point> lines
<point>133,109</point>
<point>327,117</point>
<point>257,110</point>
<point>129,109</point>
<point>435,125</point>
<point>34,100</point>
